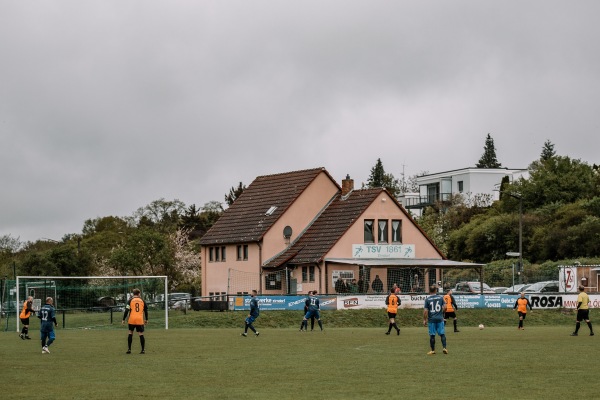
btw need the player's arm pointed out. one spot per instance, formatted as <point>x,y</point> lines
<point>387,300</point>
<point>453,302</point>
<point>145,313</point>
<point>529,304</point>
<point>398,297</point>
<point>127,308</point>
<point>516,304</point>
<point>425,314</point>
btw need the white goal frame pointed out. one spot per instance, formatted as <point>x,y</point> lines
<point>166,279</point>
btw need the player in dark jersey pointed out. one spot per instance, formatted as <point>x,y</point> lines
<point>48,316</point>
<point>254,312</point>
<point>392,301</point>
<point>312,318</point>
<point>138,318</point>
<point>314,308</point>
<point>433,317</point>
<point>24,317</point>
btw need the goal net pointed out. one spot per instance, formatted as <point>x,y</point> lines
<point>94,302</point>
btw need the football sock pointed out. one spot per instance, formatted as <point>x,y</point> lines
<point>577,325</point>
<point>305,323</point>
<point>443,340</point>
<point>432,342</point>
<point>49,342</point>
<point>43,342</point>
<point>301,325</point>
<point>312,324</point>
<point>320,324</point>
<point>252,328</point>
<point>520,323</point>
<point>454,324</point>
<point>395,326</point>
<point>246,328</point>
<point>143,341</point>
<point>590,326</point>
<point>390,327</point>
<point>129,340</point>
<point>24,331</point>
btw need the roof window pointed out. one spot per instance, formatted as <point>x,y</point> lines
<point>271,210</point>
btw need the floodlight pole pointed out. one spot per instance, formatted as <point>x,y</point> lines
<point>520,198</point>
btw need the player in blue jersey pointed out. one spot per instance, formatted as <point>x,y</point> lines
<point>433,317</point>
<point>312,319</point>
<point>48,316</point>
<point>254,312</point>
<point>314,308</point>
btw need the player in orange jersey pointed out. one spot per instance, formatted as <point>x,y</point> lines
<point>521,305</point>
<point>450,309</point>
<point>24,317</point>
<point>138,318</point>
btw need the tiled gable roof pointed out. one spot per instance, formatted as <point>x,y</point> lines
<point>327,229</point>
<point>246,220</point>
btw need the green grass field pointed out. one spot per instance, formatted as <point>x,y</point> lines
<point>499,362</point>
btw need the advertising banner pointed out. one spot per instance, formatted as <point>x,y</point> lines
<point>279,303</point>
<point>377,301</point>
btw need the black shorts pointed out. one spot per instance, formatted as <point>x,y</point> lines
<point>139,328</point>
<point>24,321</point>
<point>449,314</point>
<point>391,315</point>
<point>522,314</point>
<point>583,315</point>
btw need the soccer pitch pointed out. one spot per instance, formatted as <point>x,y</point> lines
<point>339,363</point>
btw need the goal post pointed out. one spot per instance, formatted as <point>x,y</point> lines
<point>94,302</point>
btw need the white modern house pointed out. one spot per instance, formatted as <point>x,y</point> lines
<point>441,186</point>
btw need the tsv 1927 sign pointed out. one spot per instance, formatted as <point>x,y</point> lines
<point>383,251</point>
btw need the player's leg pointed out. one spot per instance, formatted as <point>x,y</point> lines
<point>51,338</point>
<point>589,324</point>
<point>455,325</point>
<point>129,337</point>
<point>23,329</point>
<point>520,320</point>
<point>391,322</point>
<point>431,331</point>
<point>312,323</point>
<point>140,330</point>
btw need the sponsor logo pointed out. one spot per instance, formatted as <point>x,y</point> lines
<point>353,302</point>
<point>546,301</point>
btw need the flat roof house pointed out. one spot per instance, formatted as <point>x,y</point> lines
<point>298,231</point>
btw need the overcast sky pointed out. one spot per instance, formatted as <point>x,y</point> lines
<point>108,105</point>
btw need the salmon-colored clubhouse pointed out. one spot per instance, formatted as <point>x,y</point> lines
<point>294,232</point>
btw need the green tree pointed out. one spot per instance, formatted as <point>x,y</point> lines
<point>488,159</point>
<point>234,193</point>
<point>547,151</point>
<point>559,179</point>
<point>380,179</point>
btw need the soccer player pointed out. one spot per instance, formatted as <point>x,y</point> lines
<point>392,301</point>
<point>24,317</point>
<point>450,308</point>
<point>48,316</point>
<point>583,311</point>
<point>312,319</point>
<point>314,307</point>
<point>433,317</point>
<point>521,305</point>
<point>138,318</point>
<point>254,311</point>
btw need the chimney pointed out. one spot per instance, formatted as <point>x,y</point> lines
<point>347,185</point>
